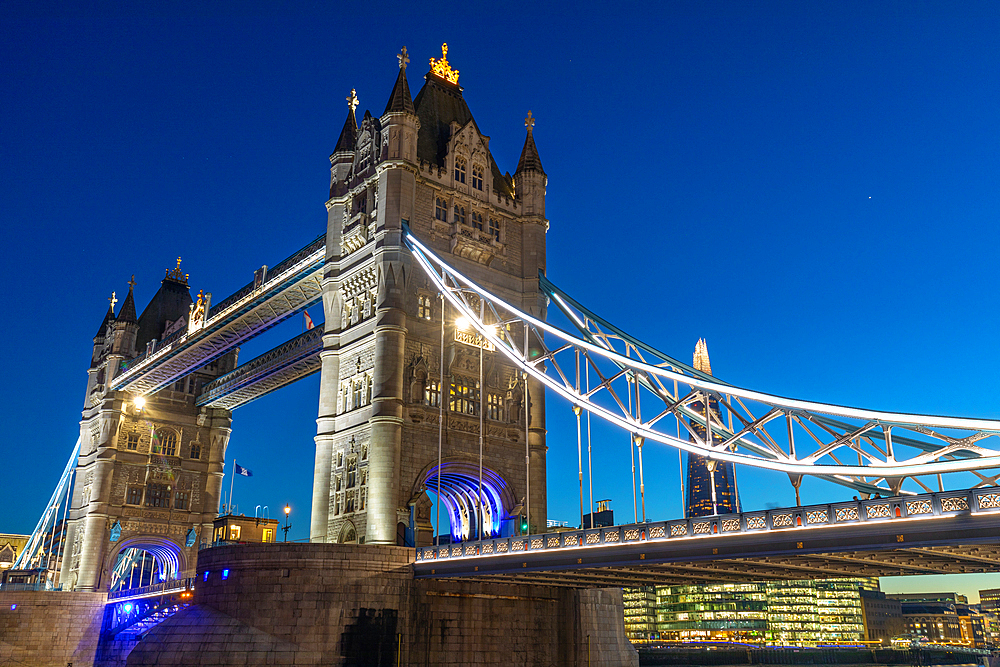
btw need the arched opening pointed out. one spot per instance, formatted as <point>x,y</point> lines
<point>145,561</point>
<point>348,534</point>
<point>469,514</point>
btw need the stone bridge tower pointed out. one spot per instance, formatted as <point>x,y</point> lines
<point>424,163</point>
<point>150,468</point>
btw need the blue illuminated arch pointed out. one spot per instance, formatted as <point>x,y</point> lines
<point>169,556</point>
<point>460,498</point>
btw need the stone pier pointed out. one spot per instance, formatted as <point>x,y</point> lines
<point>341,604</point>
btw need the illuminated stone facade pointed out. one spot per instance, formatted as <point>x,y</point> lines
<point>423,163</point>
<point>147,477</point>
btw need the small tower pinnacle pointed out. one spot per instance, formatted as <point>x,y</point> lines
<point>529,154</point>
<point>400,98</point>
<point>349,135</point>
<point>127,313</point>
<point>701,362</point>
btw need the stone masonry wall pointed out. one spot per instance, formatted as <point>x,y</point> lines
<point>340,604</point>
<point>50,629</point>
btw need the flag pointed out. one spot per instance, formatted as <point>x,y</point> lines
<point>240,470</point>
<point>309,320</point>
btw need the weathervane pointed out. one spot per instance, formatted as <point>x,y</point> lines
<point>404,59</point>
<point>352,101</point>
<point>442,69</point>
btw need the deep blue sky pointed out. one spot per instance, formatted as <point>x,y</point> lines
<point>815,189</point>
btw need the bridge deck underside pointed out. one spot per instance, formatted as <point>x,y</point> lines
<point>966,544</point>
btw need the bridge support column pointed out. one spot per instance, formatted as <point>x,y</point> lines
<point>326,425</point>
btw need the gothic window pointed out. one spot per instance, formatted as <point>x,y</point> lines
<point>364,452</point>
<point>361,203</point>
<point>477,177</point>
<point>358,392</point>
<point>440,209</point>
<point>495,228</point>
<point>338,482</point>
<point>344,396</point>
<point>464,397</point>
<point>349,503</point>
<point>432,393</point>
<point>459,170</point>
<point>181,500</point>
<point>352,472</point>
<point>362,496</point>
<point>132,442</point>
<point>157,495</point>
<point>368,389</point>
<point>477,220</point>
<point>196,450</point>
<point>494,406</point>
<point>459,214</point>
<point>424,307</point>
<point>340,459</point>
<point>165,442</point>
<point>133,496</point>
<point>336,505</point>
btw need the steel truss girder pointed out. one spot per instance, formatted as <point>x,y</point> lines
<point>290,289</point>
<point>805,438</point>
<point>287,363</point>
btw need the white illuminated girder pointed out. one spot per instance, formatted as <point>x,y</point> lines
<point>296,287</point>
<point>277,368</point>
<point>646,392</point>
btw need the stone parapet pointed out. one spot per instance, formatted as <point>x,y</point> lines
<point>50,628</point>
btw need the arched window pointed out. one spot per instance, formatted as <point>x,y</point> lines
<point>477,220</point>
<point>460,214</point>
<point>441,209</point>
<point>495,229</point>
<point>358,389</point>
<point>477,177</point>
<point>459,170</point>
<point>165,442</point>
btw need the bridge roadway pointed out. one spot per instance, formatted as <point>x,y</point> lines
<point>936,533</point>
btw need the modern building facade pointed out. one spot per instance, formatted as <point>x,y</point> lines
<point>803,613</point>
<point>711,485</point>
<point>386,382</point>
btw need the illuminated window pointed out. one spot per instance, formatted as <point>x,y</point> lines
<point>267,535</point>
<point>495,228</point>
<point>477,220</point>
<point>234,533</point>
<point>132,442</point>
<point>494,406</point>
<point>196,450</point>
<point>440,209</point>
<point>464,397</point>
<point>181,500</point>
<point>459,214</point>
<point>477,177</point>
<point>459,170</point>
<point>424,307</point>
<point>157,495</point>
<point>432,393</point>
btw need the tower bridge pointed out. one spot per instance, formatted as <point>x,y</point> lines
<point>436,354</point>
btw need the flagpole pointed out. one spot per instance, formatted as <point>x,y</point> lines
<point>232,478</point>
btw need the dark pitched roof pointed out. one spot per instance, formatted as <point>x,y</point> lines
<point>400,99</point>
<point>529,156</point>
<point>349,135</point>
<point>171,302</point>
<point>108,319</point>
<point>439,104</point>
<point>127,313</point>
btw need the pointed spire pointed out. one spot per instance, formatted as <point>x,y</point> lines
<point>127,313</point>
<point>349,135</point>
<point>400,99</point>
<point>529,154</point>
<point>109,318</point>
<point>701,362</point>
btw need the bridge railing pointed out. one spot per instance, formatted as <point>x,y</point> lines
<point>159,587</point>
<point>896,508</point>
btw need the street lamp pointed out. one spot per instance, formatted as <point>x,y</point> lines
<point>287,525</point>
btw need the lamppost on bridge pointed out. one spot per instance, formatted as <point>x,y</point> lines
<point>288,510</point>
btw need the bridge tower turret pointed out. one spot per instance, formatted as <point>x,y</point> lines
<point>425,164</point>
<point>149,472</point>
